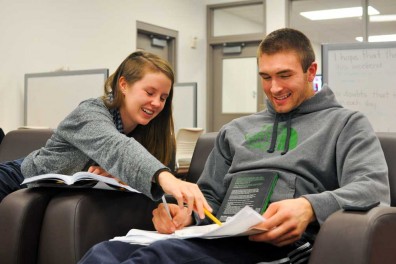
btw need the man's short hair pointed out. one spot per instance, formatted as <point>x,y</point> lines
<point>288,39</point>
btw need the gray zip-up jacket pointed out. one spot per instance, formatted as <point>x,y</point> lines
<point>87,136</point>
<point>322,151</point>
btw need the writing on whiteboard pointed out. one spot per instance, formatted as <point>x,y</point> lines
<point>365,80</point>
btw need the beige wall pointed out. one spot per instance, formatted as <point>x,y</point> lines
<point>46,35</point>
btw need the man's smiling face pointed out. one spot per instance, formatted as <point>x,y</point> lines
<point>283,80</point>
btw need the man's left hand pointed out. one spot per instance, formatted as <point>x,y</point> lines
<point>286,221</point>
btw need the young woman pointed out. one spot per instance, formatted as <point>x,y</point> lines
<point>127,134</point>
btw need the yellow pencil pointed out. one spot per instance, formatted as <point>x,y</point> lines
<point>212,217</point>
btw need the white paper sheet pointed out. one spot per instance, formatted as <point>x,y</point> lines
<point>238,225</point>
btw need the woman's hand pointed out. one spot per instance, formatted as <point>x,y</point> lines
<point>164,224</point>
<point>100,171</point>
<point>184,192</point>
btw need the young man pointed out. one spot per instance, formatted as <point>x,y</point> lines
<point>326,156</point>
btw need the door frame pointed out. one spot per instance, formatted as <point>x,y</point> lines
<point>224,40</point>
<point>157,31</point>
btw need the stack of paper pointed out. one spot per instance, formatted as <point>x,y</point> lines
<point>239,225</point>
<point>186,140</point>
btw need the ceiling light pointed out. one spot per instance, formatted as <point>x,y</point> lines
<point>379,38</point>
<point>338,13</point>
<point>383,18</point>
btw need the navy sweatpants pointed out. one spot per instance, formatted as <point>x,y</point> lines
<point>202,251</point>
<point>10,177</point>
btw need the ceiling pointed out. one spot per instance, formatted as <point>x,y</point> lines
<point>327,31</point>
<point>340,30</point>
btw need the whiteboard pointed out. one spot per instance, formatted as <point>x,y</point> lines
<point>363,78</point>
<point>51,96</point>
<point>184,105</point>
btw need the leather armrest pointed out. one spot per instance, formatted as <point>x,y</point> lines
<point>357,238</point>
<point>75,220</point>
<point>21,215</point>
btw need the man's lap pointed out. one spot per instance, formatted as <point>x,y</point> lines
<point>227,250</point>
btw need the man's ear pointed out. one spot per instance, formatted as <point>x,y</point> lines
<point>312,71</point>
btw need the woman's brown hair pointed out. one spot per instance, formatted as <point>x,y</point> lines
<point>158,135</point>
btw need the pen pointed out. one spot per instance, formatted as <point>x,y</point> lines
<point>212,217</point>
<point>166,206</point>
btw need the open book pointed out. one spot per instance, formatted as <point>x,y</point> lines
<point>239,225</point>
<point>79,179</point>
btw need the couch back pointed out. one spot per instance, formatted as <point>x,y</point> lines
<point>388,144</point>
<point>19,143</point>
<point>204,146</point>
<point>1,134</point>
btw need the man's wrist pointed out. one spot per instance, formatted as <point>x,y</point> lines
<point>312,217</point>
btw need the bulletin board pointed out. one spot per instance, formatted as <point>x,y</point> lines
<point>184,105</point>
<point>51,96</point>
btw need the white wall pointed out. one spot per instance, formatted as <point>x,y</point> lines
<point>276,15</point>
<point>227,23</point>
<point>45,35</point>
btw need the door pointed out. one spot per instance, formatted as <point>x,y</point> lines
<point>158,45</point>
<point>158,40</point>
<point>235,83</point>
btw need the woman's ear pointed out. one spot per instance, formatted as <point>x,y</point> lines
<point>123,84</point>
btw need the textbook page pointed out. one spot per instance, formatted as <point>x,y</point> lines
<point>239,225</point>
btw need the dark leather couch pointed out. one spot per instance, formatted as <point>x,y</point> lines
<point>58,225</point>
<point>46,225</point>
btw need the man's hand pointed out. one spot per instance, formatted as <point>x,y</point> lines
<point>184,192</point>
<point>286,221</point>
<point>162,222</point>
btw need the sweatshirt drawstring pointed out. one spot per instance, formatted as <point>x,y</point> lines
<point>288,134</point>
<point>275,135</point>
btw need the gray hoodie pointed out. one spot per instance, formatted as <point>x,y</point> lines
<point>322,151</point>
<point>87,136</point>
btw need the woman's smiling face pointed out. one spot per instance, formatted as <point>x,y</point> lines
<point>144,99</point>
<point>283,80</point>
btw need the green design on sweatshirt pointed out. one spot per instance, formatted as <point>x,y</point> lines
<point>262,139</point>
